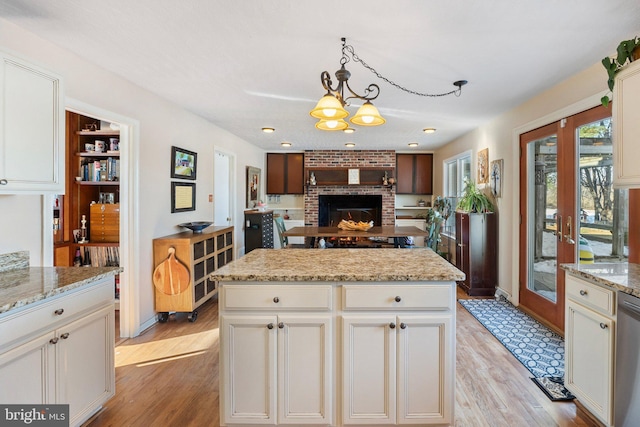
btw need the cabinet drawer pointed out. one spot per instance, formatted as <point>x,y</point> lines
<point>20,323</point>
<point>590,295</point>
<point>276,297</point>
<point>411,297</point>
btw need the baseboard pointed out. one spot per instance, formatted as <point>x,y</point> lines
<point>591,420</point>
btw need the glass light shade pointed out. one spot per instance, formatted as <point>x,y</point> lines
<point>329,107</point>
<point>332,124</point>
<point>367,115</point>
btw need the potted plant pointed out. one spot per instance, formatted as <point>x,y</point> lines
<point>627,51</point>
<point>473,200</point>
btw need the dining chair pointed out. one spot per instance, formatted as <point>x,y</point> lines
<point>284,241</point>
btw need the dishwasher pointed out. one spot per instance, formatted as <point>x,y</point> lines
<point>627,384</point>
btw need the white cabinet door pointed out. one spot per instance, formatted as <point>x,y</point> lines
<point>626,127</point>
<point>426,364</point>
<point>84,348</point>
<point>248,367</point>
<point>32,367</point>
<point>369,369</point>
<point>589,359</point>
<point>305,369</point>
<point>32,124</point>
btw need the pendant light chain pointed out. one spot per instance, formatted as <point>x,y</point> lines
<point>356,58</point>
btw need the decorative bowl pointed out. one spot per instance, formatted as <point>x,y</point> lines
<point>196,226</point>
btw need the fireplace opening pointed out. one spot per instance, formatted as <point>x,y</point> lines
<point>334,208</point>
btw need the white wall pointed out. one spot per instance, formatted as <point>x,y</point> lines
<point>579,92</point>
<point>161,125</point>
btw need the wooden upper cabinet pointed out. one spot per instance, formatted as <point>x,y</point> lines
<point>285,173</point>
<point>414,173</point>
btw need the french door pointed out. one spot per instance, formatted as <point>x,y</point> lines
<point>565,177</point>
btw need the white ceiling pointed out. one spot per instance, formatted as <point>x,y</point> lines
<point>247,64</point>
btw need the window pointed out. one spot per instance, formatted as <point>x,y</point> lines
<point>456,170</point>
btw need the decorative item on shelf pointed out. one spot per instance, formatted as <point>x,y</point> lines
<point>628,50</point>
<point>196,226</point>
<point>421,203</point>
<point>385,179</point>
<point>261,206</point>
<point>90,126</point>
<point>286,214</point>
<point>99,146</point>
<point>83,230</point>
<point>312,179</point>
<point>330,110</point>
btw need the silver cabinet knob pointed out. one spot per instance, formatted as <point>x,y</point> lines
<point>392,325</point>
<point>276,300</point>
<point>583,292</point>
<point>65,335</point>
<point>398,299</point>
<point>54,340</point>
<point>403,326</point>
<point>281,325</point>
<point>59,312</point>
<point>3,181</point>
<point>270,326</point>
<point>604,325</point>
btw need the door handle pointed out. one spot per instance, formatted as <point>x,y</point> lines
<point>567,237</point>
<point>559,227</point>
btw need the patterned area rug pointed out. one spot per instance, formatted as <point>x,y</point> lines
<point>538,348</point>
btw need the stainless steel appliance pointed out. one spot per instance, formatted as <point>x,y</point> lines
<point>627,385</point>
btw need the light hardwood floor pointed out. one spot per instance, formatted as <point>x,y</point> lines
<point>168,376</point>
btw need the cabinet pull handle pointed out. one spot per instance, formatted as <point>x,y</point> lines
<point>3,181</point>
<point>59,312</point>
<point>270,326</point>
<point>398,299</point>
<point>65,335</point>
<point>281,325</point>
<point>276,300</point>
<point>583,292</point>
<point>403,325</point>
<point>603,325</point>
<point>392,325</point>
<point>54,340</point>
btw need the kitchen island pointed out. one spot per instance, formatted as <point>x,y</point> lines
<point>336,337</point>
<point>56,335</point>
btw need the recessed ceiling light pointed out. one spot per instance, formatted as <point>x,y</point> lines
<point>350,144</point>
<point>429,130</point>
<point>285,144</point>
<point>413,144</point>
<point>268,130</point>
<point>349,130</point>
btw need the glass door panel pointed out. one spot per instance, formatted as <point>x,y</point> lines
<point>542,220</point>
<point>602,210</point>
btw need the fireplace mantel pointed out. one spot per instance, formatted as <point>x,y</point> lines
<point>340,175</point>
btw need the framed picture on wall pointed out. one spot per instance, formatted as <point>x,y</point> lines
<point>483,166</point>
<point>254,181</point>
<point>183,196</point>
<point>495,177</point>
<point>183,163</point>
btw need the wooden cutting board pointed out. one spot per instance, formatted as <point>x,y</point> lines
<point>171,277</point>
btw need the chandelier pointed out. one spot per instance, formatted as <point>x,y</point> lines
<point>330,110</point>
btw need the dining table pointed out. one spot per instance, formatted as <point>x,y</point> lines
<point>398,233</point>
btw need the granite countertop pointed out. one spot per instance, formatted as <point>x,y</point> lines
<point>339,265</point>
<point>623,277</point>
<point>23,286</point>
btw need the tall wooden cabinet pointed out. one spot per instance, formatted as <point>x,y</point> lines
<point>477,252</point>
<point>190,257</point>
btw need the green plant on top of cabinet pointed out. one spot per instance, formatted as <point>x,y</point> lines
<point>32,123</point>
<point>414,173</point>
<point>285,173</point>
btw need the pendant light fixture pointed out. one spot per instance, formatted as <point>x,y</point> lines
<point>330,110</point>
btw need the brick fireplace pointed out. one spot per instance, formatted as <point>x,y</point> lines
<point>350,159</point>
